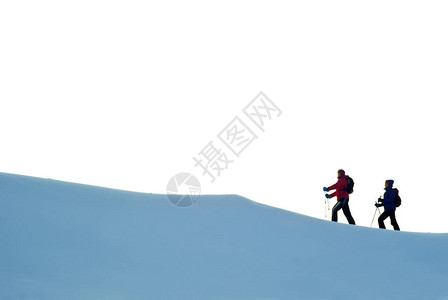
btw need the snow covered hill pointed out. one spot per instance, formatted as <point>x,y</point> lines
<point>67,241</point>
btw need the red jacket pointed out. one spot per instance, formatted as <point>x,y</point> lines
<point>340,188</point>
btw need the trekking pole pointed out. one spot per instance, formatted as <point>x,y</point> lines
<point>325,207</point>
<point>374,215</point>
<point>377,209</point>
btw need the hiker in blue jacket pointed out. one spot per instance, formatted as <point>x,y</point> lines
<point>388,202</point>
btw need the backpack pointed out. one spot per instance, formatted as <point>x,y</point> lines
<point>397,199</point>
<point>350,184</point>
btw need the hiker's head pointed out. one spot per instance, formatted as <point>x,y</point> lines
<point>341,173</point>
<point>389,183</point>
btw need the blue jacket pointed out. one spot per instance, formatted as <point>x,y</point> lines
<point>389,197</point>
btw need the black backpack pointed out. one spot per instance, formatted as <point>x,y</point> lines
<point>397,199</point>
<point>350,184</point>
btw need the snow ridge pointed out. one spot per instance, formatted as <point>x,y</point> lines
<point>63,240</point>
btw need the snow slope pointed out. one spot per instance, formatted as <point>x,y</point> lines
<point>62,240</point>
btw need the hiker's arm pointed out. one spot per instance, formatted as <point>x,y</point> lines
<point>337,185</point>
<point>389,197</point>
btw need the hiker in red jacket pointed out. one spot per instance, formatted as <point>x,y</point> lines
<point>342,197</point>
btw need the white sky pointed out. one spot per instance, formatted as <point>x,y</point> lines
<point>123,94</point>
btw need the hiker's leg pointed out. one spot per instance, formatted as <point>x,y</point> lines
<point>347,213</point>
<point>393,221</point>
<point>381,219</point>
<point>336,208</point>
